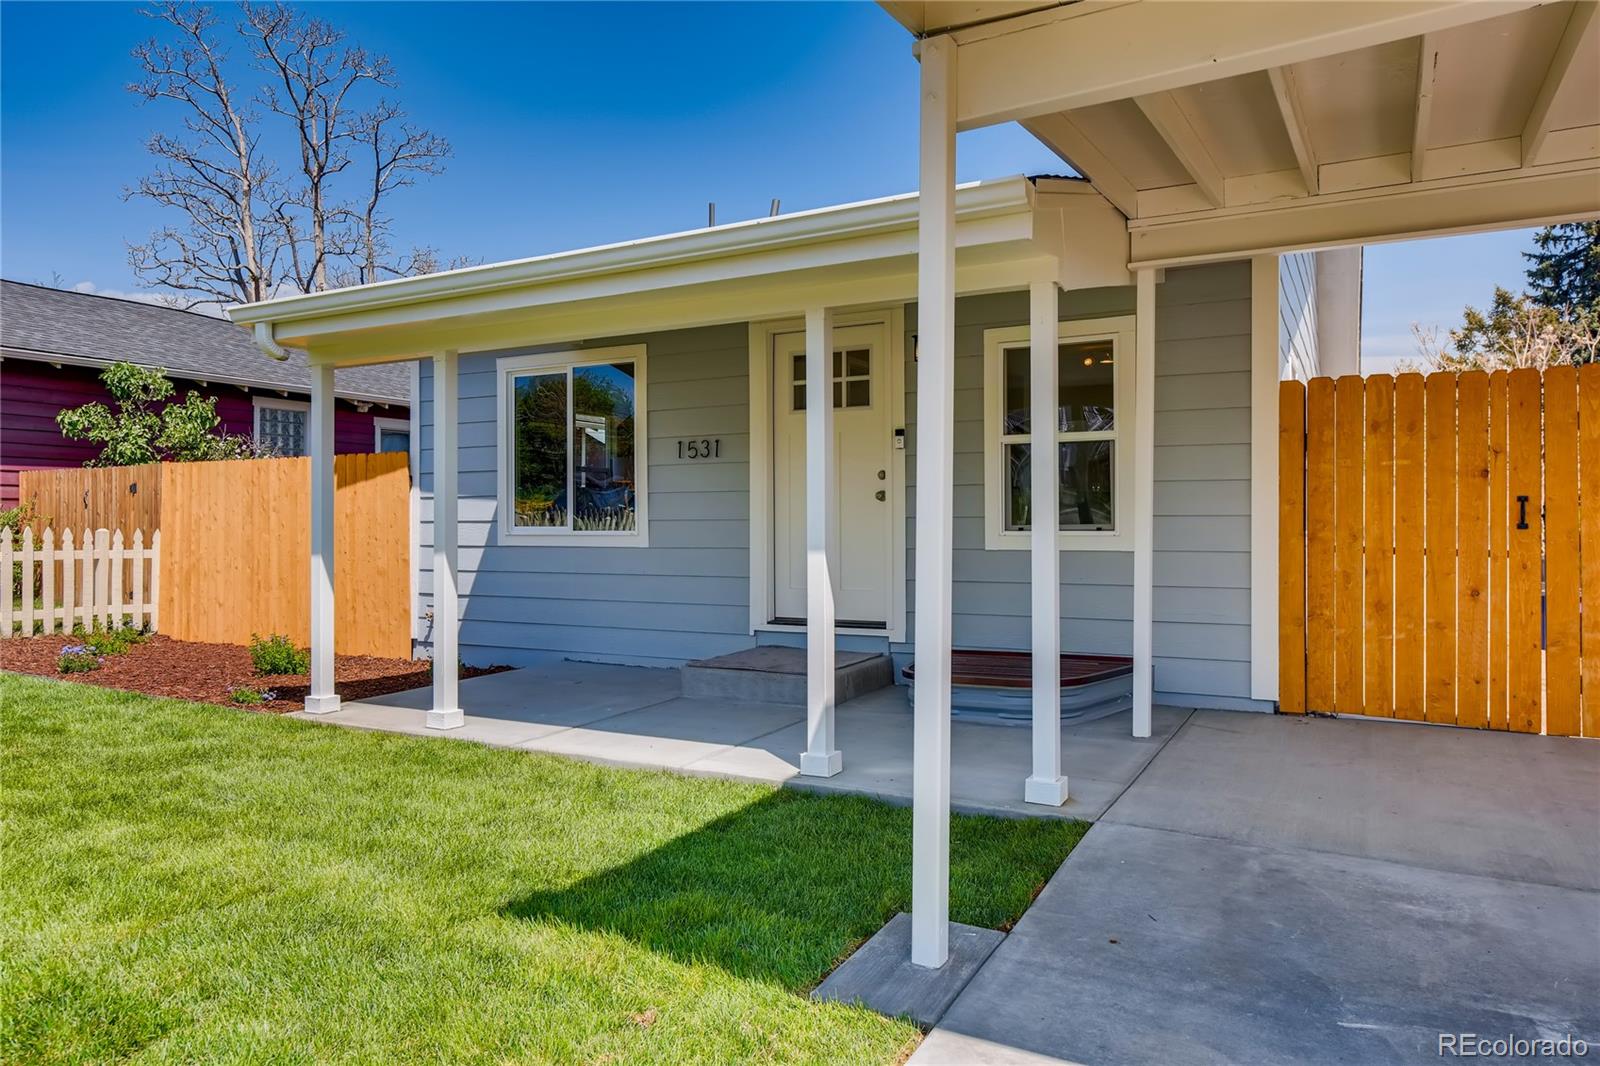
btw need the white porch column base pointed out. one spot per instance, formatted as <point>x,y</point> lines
<point>446,710</point>
<point>445,719</point>
<point>821,757</point>
<point>321,697</point>
<point>1048,792</point>
<point>1144,452</point>
<point>936,306</point>
<point>821,763</point>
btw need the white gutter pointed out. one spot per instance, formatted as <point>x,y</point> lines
<point>819,226</point>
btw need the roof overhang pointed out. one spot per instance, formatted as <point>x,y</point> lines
<point>1007,232</point>
<point>1221,128</point>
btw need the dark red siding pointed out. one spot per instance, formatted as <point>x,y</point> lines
<point>31,393</point>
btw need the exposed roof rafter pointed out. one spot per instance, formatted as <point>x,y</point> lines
<point>1287,92</point>
<point>1427,72</point>
<point>1062,137</point>
<point>1582,32</point>
<point>1169,120</point>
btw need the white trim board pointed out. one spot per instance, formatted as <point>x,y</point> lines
<point>505,368</point>
<point>1118,329</point>
<point>1264,374</point>
<point>761,492</point>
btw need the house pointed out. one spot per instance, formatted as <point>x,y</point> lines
<point>53,343</point>
<point>813,429</point>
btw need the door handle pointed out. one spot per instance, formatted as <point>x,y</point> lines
<point>880,495</point>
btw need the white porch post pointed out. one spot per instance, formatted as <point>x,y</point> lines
<point>936,305</point>
<point>322,698</point>
<point>1045,785</point>
<point>1144,458</point>
<point>821,757</point>
<point>446,710</point>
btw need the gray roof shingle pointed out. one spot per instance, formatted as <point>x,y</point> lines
<point>83,327</point>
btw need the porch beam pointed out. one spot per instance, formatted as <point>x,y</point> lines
<point>1286,91</point>
<point>821,757</point>
<point>1581,37</point>
<point>1562,192</point>
<point>1167,116</point>
<point>936,305</point>
<point>1077,55</point>
<point>1144,441</point>
<point>322,697</point>
<point>446,710</point>
<point>1045,785</point>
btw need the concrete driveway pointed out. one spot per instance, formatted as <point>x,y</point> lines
<point>1274,889</point>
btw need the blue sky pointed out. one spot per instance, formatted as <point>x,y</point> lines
<point>573,125</point>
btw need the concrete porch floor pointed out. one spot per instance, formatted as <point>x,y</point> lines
<point>636,717</point>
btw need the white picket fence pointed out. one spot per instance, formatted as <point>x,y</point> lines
<point>99,580</point>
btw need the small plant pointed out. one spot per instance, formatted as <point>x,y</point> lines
<point>246,696</point>
<point>277,655</point>
<point>78,659</point>
<point>115,641</point>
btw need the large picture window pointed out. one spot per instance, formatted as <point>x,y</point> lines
<point>572,445</point>
<point>1084,443</point>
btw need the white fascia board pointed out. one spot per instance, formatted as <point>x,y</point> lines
<point>1557,193</point>
<point>1093,53</point>
<point>842,226</point>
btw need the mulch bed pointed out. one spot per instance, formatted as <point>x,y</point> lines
<point>206,673</point>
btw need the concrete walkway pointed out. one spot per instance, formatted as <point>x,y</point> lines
<point>1283,890</point>
<point>635,717</point>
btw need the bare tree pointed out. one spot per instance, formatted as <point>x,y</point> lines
<point>226,251</point>
<point>397,153</point>
<point>253,227</point>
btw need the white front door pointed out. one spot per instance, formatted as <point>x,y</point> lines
<point>863,442</point>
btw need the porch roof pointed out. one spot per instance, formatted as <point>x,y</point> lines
<point>1224,129</point>
<point>768,267</point>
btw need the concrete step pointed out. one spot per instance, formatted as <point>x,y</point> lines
<point>778,675</point>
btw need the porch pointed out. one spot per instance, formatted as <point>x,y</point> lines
<point>638,717</point>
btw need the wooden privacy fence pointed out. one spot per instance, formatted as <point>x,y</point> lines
<point>96,582</point>
<point>1436,559</point>
<point>236,544</point>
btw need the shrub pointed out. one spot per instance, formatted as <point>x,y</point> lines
<point>115,641</point>
<point>78,659</point>
<point>277,655</point>
<point>246,696</point>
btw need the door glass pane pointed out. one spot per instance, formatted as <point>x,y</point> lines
<point>800,397</point>
<point>858,393</point>
<point>539,450</point>
<point>1086,387</point>
<point>1086,485</point>
<point>799,369</point>
<point>603,447</point>
<point>858,363</point>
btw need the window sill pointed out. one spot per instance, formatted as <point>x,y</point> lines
<point>1086,541</point>
<point>567,539</point>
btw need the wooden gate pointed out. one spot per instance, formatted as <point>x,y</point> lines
<point>1435,557</point>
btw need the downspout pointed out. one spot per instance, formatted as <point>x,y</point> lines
<point>268,344</point>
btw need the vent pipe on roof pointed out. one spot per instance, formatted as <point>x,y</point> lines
<point>774,212</point>
<point>269,344</point>
<point>711,213</point>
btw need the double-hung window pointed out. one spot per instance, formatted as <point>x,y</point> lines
<point>1086,444</point>
<point>572,446</point>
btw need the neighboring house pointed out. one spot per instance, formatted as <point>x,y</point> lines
<point>628,455</point>
<point>54,343</point>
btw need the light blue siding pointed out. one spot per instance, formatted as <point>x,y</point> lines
<point>685,596</point>
<point>1297,316</point>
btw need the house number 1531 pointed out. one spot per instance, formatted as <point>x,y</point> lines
<point>703,448</point>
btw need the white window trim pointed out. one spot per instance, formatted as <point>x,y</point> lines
<point>393,425</point>
<point>996,537</point>
<point>257,403</point>
<point>508,366</point>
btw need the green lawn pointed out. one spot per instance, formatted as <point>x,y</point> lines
<point>195,883</point>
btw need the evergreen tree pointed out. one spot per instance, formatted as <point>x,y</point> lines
<point>1564,268</point>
